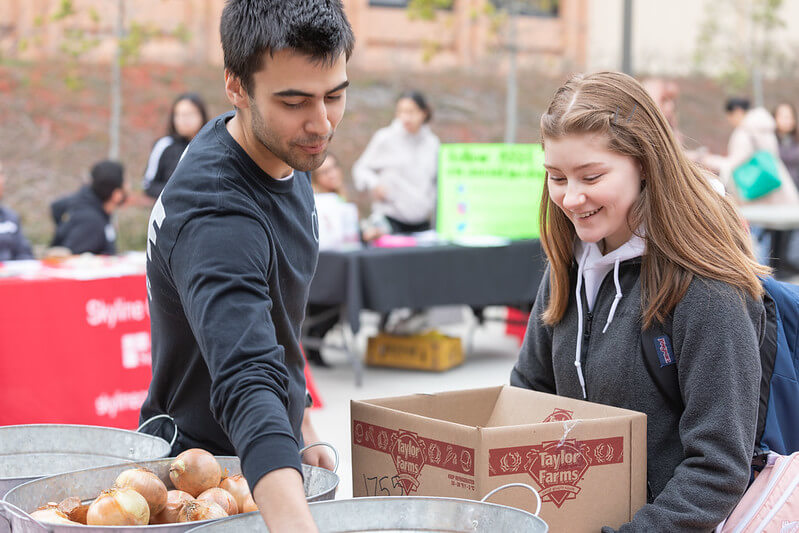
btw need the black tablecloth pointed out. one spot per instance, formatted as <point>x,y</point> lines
<point>382,279</point>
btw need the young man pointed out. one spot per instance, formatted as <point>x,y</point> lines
<point>233,245</point>
<point>83,219</point>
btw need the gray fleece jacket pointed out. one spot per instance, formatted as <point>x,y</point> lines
<point>698,459</point>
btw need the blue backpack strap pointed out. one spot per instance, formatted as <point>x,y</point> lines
<point>781,426</point>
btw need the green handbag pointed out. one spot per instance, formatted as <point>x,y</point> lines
<point>758,176</point>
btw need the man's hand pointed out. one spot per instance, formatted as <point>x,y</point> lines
<point>280,497</point>
<point>318,455</point>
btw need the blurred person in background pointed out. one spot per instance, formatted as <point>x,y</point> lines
<point>399,167</point>
<point>754,130</point>
<point>83,219</point>
<point>13,244</point>
<point>788,138</point>
<point>186,118</point>
<point>665,94</point>
<point>329,178</point>
<point>328,187</point>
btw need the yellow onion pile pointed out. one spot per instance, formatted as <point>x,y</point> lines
<point>139,497</point>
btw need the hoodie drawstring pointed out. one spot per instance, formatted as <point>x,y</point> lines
<point>579,349</point>
<point>616,298</point>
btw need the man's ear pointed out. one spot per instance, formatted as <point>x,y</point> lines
<point>235,91</point>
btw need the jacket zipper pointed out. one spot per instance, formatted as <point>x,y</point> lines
<point>587,329</point>
<point>589,318</point>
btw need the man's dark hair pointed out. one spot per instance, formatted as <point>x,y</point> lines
<point>737,103</point>
<point>106,178</point>
<point>316,28</point>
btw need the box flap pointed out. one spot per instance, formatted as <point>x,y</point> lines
<point>516,406</point>
<point>468,407</point>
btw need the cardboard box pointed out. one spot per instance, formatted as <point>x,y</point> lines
<point>588,461</point>
<point>430,351</point>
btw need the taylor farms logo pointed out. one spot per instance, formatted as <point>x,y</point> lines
<point>409,458</point>
<point>556,466</point>
<point>411,453</point>
<point>557,469</point>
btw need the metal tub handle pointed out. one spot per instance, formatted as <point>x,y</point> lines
<point>328,445</point>
<point>523,485</point>
<point>9,512</point>
<point>156,417</point>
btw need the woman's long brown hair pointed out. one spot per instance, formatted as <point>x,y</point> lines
<point>690,230</point>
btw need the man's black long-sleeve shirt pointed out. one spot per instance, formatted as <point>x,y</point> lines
<point>231,254</point>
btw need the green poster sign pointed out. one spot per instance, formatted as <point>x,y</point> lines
<point>489,189</point>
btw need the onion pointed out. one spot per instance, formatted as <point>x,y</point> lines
<point>195,471</point>
<point>119,507</point>
<point>174,502</point>
<point>74,508</point>
<point>238,488</point>
<point>249,505</point>
<point>147,484</point>
<point>196,510</point>
<point>52,515</point>
<point>225,500</point>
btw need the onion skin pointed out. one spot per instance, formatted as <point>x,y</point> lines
<point>195,471</point>
<point>119,507</point>
<point>74,509</point>
<point>222,497</point>
<point>147,484</point>
<point>238,488</point>
<point>196,510</point>
<point>52,515</point>
<point>249,505</point>
<point>174,503</point>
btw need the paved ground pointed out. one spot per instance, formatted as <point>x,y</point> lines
<point>487,364</point>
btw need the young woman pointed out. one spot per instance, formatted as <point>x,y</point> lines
<point>399,166</point>
<point>635,234</point>
<point>186,118</point>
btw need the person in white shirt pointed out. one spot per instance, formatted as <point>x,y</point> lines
<point>399,166</point>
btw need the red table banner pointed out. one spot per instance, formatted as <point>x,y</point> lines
<point>74,351</point>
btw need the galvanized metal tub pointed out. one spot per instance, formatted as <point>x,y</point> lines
<point>28,452</point>
<point>400,514</point>
<point>320,485</point>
